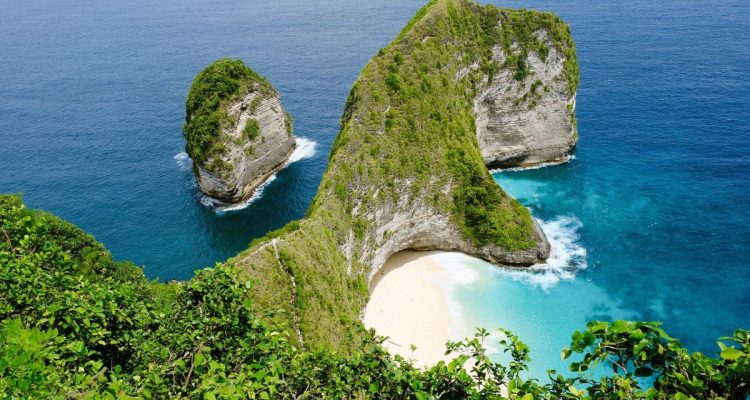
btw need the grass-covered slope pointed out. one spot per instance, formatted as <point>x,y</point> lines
<point>74,324</point>
<point>219,84</point>
<point>407,142</point>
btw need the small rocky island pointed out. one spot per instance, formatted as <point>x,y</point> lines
<point>237,132</point>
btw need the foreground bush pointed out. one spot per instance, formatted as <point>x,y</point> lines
<point>75,324</point>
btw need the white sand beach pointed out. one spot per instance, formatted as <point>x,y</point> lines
<point>407,305</point>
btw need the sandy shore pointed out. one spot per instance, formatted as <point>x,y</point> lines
<point>407,305</point>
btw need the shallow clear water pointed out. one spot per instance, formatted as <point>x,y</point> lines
<point>656,204</point>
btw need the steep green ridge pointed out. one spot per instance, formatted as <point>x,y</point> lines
<point>409,118</point>
<point>407,131</point>
<point>219,84</point>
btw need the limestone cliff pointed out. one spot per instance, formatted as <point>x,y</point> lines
<point>407,170</point>
<point>237,131</point>
<point>529,121</point>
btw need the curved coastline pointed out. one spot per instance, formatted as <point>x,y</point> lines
<point>409,307</point>
<point>406,170</point>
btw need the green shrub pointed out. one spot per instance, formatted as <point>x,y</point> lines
<point>252,129</point>
<point>69,330</point>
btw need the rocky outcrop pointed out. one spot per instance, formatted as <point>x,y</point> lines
<point>415,225</point>
<point>258,144</point>
<point>237,132</point>
<point>406,170</point>
<point>531,121</point>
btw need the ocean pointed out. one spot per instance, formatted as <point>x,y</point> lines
<point>651,220</point>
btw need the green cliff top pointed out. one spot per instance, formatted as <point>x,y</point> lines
<point>217,86</point>
<point>407,132</point>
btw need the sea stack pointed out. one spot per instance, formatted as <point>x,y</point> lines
<point>237,132</point>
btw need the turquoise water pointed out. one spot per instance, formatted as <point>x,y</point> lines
<point>543,310</point>
<point>656,205</point>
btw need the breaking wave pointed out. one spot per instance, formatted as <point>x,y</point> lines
<point>567,255</point>
<point>305,149</point>
<point>221,209</point>
<point>183,161</point>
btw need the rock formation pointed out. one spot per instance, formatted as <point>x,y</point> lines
<point>408,168</point>
<point>239,137</point>
<point>413,225</point>
<point>527,122</point>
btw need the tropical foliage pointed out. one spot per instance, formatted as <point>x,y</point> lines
<point>75,324</point>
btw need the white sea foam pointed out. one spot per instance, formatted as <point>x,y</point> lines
<point>566,159</point>
<point>456,270</point>
<point>183,161</point>
<point>208,201</point>
<point>220,209</point>
<point>567,255</point>
<point>305,149</point>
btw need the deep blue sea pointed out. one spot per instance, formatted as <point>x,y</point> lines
<point>651,219</point>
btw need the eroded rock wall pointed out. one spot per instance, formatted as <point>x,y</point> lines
<point>251,159</point>
<point>415,225</point>
<point>527,122</point>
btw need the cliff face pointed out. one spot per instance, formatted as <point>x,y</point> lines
<point>527,122</point>
<point>252,159</point>
<point>238,133</point>
<point>408,169</point>
<point>409,223</point>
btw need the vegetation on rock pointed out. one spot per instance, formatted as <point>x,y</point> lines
<point>407,131</point>
<point>218,85</point>
<point>523,31</point>
<point>252,129</point>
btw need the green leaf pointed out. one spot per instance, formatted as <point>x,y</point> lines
<point>620,326</point>
<point>599,326</point>
<point>575,391</point>
<point>198,360</point>
<point>637,334</point>
<point>730,353</point>
<point>565,353</point>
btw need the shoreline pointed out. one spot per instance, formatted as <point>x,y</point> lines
<point>527,167</point>
<point>409,305</point>
<point>303,148</point>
